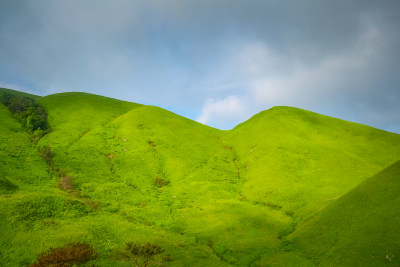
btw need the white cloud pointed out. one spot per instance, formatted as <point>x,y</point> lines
<point>275,78</point>
<point>223,112</point>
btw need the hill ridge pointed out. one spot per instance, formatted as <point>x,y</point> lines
<point>259,114</point>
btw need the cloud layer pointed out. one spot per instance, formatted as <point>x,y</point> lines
<point>221,112</point>
<point>215,61</point>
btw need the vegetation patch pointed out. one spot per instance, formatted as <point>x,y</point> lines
<point>50,207</point>
<point>66,183</point>
<point>46,154</point>
<point>152,144</point>
<point>30,114</point>
<point>6,186</point>
<point>145,254</point>
<point>160,182</point>
<point>69,255</point>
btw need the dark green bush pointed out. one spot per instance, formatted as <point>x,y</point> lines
<point>160,182</point>
<point>49,207</point>
<point>6,186</point>
<point>289,213</point>
<point>16,103</point>
<point>32,118</point>
<point>47,155</point>
<point>69,255</point>
<point>143,254</point>
<point>152,144</point>
<point>31,115</point>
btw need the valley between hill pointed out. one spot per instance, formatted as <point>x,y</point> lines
<point>288,187</point>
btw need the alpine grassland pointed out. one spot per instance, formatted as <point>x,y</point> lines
<point>360,228</point>
<point>105,182</point>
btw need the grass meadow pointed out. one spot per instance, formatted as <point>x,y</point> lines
<point>114,183</point>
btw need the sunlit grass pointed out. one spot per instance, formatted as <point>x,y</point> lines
<point>208,197</point>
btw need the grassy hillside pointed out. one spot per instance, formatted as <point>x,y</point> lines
<point>118,163</point>
<point>15,149</point>
<point>298,160</point>
<point>359,229</point>
<point>111,172</point>
<point>72,115</point>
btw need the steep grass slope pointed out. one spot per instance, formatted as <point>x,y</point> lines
<point>118,172</point>
<point>74,114</point>
<point>16,148</point>
<point>117,162</point>
<point>300,160</point>
<point>359,229</point>
<point>139,174</point>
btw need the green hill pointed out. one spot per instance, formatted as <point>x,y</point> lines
<point>110,172</point>
<point>293,158</point>
<point>359,229</point>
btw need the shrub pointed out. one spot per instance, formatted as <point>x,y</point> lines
<point>160,182</point>
<point>75,253</point>
<point>143,254</point>
<point>289,213</point>
<point>47,155</point>
<point>37,209</point>
<point>16,103</point>
<point>37,134</point>
<point>6,186</point>
<point>66,183</point>
<point>168,257</point>
<point>30,210</point>
<point>30,114</point>
<point>5,99</point>
<point>32,118</point>
<point>274,206</point>
<point>152,144</point>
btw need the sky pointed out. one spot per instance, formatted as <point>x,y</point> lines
<point>218,62</point>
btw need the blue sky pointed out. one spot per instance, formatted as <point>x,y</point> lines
<point>217,62</point>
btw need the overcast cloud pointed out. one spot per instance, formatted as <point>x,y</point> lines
<point>217,62</point>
